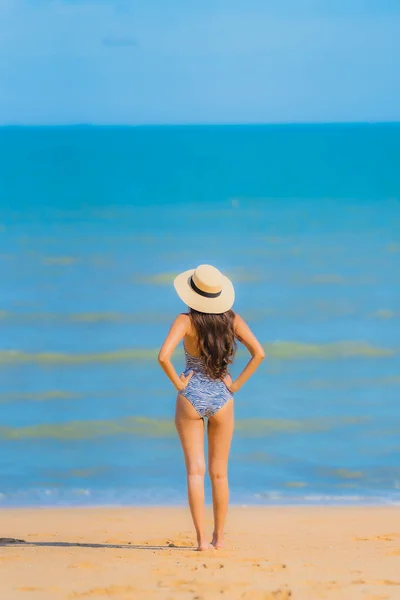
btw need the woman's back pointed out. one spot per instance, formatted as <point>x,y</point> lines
<point>212,338</point>
<point>191,340</point>
<point>206,392</point>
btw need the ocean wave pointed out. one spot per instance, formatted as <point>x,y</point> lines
<point>331,279</point>
<point>281,497</point>
<point>351,384</point>
<point>258,457</point>
<point>87,430</point>
<point>43,396</point>
<point>156,279</point>
<point>165,428</point>
<point>86,496</point>
<point>259,427</point>
<point>153,318</point>
<point>78,473</point>
<point>9,357</point>
<point>342,349</point>
<point>279,350</point>
<point>344,473</point>
<point>86,317</point>
<point>153,496</point>
<point>69,395</point>
<point>393,248</point>
<point>385,313</point>
<point>239,275</point>
<point>60,261</point>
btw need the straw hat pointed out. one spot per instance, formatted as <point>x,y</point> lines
<point>205,289</point>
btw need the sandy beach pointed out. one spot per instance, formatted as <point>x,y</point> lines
<point>272,553</point>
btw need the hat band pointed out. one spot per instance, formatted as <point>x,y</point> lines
<point>201,293</point>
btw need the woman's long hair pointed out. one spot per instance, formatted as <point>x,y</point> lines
<point>216,340</point>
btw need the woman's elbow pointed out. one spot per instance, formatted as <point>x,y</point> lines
<point>162,358</point>
<point>260,355</point>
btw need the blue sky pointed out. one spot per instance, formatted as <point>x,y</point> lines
<point>181,61</point>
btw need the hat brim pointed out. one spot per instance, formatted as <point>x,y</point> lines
<point>200,303</point>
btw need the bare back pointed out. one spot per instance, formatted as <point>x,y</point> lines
<point>190,340</point>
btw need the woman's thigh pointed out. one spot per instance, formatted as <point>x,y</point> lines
<point>190,427</point>
<point>220,432</point>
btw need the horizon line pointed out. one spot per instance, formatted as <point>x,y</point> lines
<point>200,124</point>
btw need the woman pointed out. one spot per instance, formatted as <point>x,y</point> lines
<point>205,389</point>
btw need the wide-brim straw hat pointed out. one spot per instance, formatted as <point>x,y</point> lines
<point>205,289</point>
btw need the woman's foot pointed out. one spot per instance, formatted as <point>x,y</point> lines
<point>217,541</point>
<point>203,546</point>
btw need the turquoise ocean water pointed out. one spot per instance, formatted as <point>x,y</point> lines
<point>95,222</point>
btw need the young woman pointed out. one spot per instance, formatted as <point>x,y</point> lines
<point>205,389</point>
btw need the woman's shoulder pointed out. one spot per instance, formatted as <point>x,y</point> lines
<point>183,317</point>
<point>239,325</point>
<point>185,323</point>
<point>237,320</point>
<point>181,325</point>
<point>183,320</point>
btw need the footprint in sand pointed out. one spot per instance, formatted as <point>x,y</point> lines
<point>387,537</point>
<point>84,565</point>
<point>322,586</point>
<point>254,560</point>
<point>378,582</point>
<point>332,585</point>
<point>165,572</point>
<point>112,590</point>
<point>183,582</point>
<point>264,565</point>
<point>279,595</point>
<point>31,588</point>
<point>262,595</point>
<point>10,558</point>
<point>181,541</point>
<point>273,568</point>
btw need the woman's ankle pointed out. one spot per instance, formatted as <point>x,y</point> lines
<point>201,538</point>
<point>217,540</point>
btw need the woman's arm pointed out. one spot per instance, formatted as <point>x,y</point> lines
<point>177,332</point>
<point>247,337</point>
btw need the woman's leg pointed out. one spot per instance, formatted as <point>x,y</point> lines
<point>220,430</point>
<point>190,428</point>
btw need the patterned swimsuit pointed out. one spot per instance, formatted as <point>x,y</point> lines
<point>205,394</point>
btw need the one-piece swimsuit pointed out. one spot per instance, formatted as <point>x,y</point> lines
<point>207,395</point>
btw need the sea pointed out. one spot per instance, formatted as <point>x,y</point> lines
<point>94,224</point>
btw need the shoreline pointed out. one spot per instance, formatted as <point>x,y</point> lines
<point>276,502</point>
<point>272,553</point>
<point>184,505</point>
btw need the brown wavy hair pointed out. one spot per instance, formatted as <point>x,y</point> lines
<point>216,340</point>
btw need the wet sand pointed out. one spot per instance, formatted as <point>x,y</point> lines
<point>272,553</point>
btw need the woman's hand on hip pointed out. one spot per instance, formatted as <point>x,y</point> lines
<point>230,384</point>
<point>184,380</point>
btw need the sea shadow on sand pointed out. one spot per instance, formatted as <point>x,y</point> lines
<point>16,542</point>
